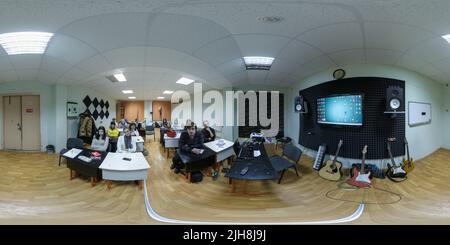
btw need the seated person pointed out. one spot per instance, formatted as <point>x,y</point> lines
<point>126,142</point>
<point>100,141</point>
<point>123,123</point>
<point>209,134</point>
<point>190,141</point>
<point>165,123</point>
<point>133,130</point>
<point>188,123</point>
<point>113,135</point>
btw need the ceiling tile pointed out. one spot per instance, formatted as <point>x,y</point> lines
<point>332,38</point>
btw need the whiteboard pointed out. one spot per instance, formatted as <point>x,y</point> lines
<point>419,113</point>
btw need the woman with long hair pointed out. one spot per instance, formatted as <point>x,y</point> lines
<point>100,141</point>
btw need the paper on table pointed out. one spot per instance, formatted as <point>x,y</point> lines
<point>72,153</point>
<point>256,153</point>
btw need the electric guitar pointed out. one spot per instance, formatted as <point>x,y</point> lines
<point>408,164</point>
<point>360,177</point>
<point>395,171</point>
<point>332,169</point>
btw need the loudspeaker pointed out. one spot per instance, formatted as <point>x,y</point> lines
<point>300,105</point>
<point>395,99</point>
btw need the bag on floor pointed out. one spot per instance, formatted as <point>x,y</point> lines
<point>196,177</point>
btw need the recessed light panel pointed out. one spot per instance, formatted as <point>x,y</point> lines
<point>185,81</point>
<point>25,42</point>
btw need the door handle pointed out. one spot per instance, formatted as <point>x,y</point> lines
<point>19,127</point>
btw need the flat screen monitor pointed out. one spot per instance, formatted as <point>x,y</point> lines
<point>340,110</point>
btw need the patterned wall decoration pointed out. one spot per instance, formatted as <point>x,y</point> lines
<point>97,108</point>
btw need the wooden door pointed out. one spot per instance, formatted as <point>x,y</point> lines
<point>31,123</point>
<point>12,122</point>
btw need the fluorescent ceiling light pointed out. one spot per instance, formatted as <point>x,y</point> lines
<point>127,91</point>
<point>25,42</point>
<point>447,38</point>
<point>168,92</point>
<point>258,62</point>
<point>160,98</point>
<point>120,77</point>
<point>185,81</point>
<point>132,98</point>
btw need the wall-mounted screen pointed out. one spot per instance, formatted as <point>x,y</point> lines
<point>340,110</point>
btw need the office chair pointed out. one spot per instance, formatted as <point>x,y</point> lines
<point>281,164</point>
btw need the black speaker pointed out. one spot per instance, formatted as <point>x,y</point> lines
<point>300,105</point>
<point>395,99</point>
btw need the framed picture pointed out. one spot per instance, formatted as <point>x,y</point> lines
<point>72,109</point>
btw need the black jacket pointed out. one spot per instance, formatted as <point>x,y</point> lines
<point>187,144</point>
<point>206,136</point>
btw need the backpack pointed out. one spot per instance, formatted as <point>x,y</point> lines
<point>196,177</point>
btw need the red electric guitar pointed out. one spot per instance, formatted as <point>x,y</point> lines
<point>360,178</point>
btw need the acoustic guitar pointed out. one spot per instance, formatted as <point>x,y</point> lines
<point>408,164</point>
<point>332,169</point>
<point>360,178</point>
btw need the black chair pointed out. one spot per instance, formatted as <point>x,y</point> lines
<point>150,130</point>
<point>71,143</point>
<point>281,164</point>
<point>281,139</point>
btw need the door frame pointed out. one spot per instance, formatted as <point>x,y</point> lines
<point>3,114</point>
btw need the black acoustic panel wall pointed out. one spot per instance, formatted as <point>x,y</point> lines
<point>377,126</point>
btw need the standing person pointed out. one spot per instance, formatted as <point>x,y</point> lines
<point>100,141</point>
<point>113,134</point>
<point>133,130</point>
<point>126,142</point>
<point>209,134</point>
<point>190,141</point>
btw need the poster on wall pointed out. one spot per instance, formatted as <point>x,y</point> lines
<point>72,109</point>
<point>97,108</point>
<point>419,113</point>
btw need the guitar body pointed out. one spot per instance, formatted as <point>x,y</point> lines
<point>331,173</point>
<point>408,165</point>
<point>359,179</point>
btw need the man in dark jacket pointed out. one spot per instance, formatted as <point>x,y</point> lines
<point>190,141</point>
<point>209,134</point>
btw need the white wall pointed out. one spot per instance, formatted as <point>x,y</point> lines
<point>424,139</point>
<point>77,94</point>
<point>446,125</point>
<point>46,103</point>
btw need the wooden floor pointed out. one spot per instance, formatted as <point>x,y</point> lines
<point>35,190</point>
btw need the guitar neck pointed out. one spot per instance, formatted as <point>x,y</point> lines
<point>390,155</point>
<point>407,152</point>
<point>363,163</point>
<point>337,153</point>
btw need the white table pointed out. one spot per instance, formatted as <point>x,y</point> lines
<point>171,142</point>
<point>114,167</point>
<point>223,151</point>
<point>139,143</point>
